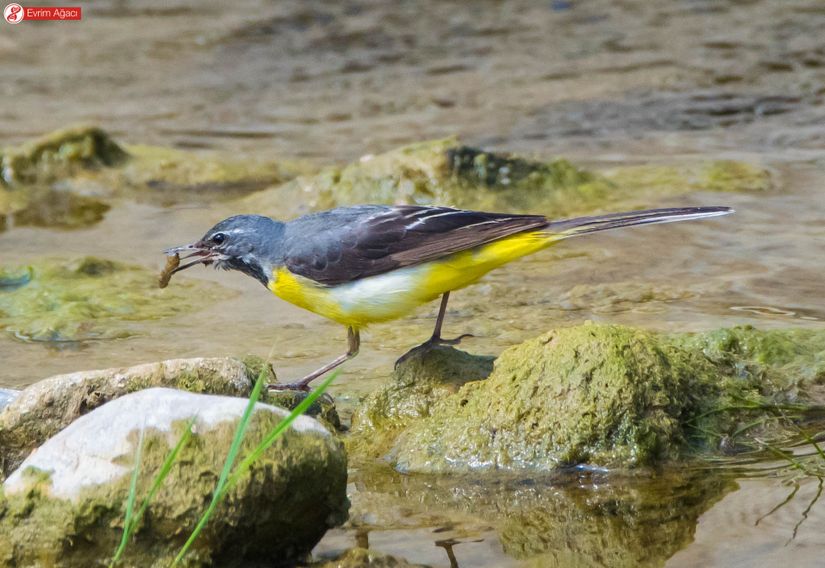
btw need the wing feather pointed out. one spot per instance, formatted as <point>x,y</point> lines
<point>346,244</point>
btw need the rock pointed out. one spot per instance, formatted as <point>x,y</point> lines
<point>60,154</point>
<point>48,181</point>
<point>323,409</point>
<point>90,298</point>
<point>65,504</point>
<point>441,172</point>
<point>446,172</point>
<point>46,407</point>
<point>599,395</point>
<point>595,394</point>
<point>364,557</point>
<point>416,386</point>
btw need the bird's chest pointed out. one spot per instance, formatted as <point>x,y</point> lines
<point>368,300</point>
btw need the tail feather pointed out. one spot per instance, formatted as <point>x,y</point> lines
<point>584,225</point>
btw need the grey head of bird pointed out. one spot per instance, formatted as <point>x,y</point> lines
<point>248,243</point>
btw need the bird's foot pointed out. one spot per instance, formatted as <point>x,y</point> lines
<point>431,343</point>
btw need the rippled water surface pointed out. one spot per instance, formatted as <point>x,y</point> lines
<point>603,83</point>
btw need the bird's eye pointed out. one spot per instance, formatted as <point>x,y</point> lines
<point>218,238</point>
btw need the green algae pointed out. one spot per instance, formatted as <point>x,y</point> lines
<point>445,172</point>
<point>601,395</point>
<point>90,298</point>
<point>605,395</point>
<point>297,490</point>
<point>416,386</point>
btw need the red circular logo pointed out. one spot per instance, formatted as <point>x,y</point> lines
<point>13,13</point>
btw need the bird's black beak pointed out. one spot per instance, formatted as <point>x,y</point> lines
<point>204,254</point>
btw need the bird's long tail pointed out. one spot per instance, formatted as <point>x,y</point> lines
<point>584,225</point>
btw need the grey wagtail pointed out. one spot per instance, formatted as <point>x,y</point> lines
<point>372,263</point>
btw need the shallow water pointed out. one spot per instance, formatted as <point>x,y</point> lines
<point>603,83</point>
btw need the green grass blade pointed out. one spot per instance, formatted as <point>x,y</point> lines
<point>256,453</point>
<point>276,432</point>
<point>130,502</point>
<point>234,448</point>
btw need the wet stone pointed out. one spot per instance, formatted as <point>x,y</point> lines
<point>64,505</point>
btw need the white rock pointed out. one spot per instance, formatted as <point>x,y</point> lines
<point>85,453</point>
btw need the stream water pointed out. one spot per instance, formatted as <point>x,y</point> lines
<point>603,83</point>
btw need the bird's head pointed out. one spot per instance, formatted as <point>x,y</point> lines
<point>249,243</point>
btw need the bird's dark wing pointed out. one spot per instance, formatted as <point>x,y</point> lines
<point>342,245</point>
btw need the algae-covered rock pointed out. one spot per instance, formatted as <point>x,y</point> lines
<point>596,394</point>
<point>46,407</point>
<point>63,178</point>
<point>60,154</point>
<point>323,409</point>
<point>416,386</point>
<point>791,356</point>
<point>445,172</point>
<point>602,395</point>
<point>89,298</point>
<point>64,506</point>
<point>442,172</point>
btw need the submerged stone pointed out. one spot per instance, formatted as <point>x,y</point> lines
<point>46,407</point>
<point>446,172</point>
<point>90,298</point>
<point>64,506</point>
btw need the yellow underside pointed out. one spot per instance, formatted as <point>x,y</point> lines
<point>395,294</point>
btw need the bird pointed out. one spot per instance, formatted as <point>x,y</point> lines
<point>366,264</point>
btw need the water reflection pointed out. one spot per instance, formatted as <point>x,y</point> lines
<point>579,518</point>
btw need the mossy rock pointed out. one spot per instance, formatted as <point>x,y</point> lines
<point>46,407</point>
<point>60,154</point>
<point>418,383</point>
<point>58,300</point>
<point>69,165</point>
<point>323,409</point>
<point>64,506</point>
<point>446,172</point>
<point>602,395</point>
<point>605,395</point>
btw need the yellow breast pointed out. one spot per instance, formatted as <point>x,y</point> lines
<point>396,293</point>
